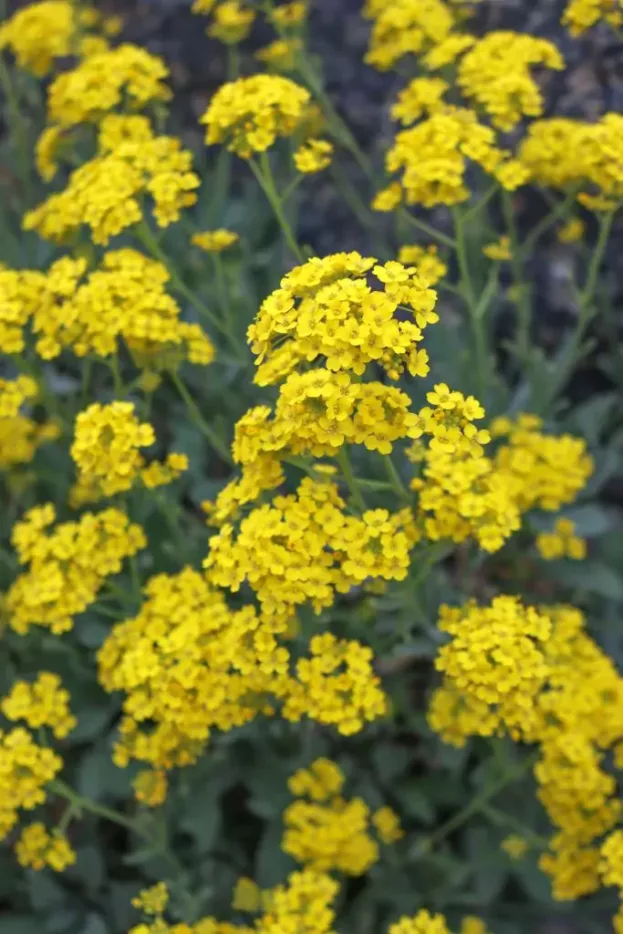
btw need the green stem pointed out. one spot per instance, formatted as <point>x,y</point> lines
<point>524,308</point>
<point>586,312</point>
<point>264,176</point>
<point>481,362</point>
<point>550,218</point>
<point>475,805</point>
<point>351,481</point>
<point>395,479</point>
<point>217,443</point>
<point>145,235</point>
<point>426,228</point>
<point>18,129</point>
<point>78,803</point>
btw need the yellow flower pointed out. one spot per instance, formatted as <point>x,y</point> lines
<point>562,542</point>
<point>215,241</point>
<point>313,155</point>
<point>39,33</point>
<point>247,896</point>
<point>387,825</point>
<point>580,15</point>
<point>150,787</point>
<point>421,923</point>
<point>515,846</point>
<point>43,703</point>
<point>249,114</point>
<point>289,14</point>
<point>500,250</point>
<point>572,231</point>
<point>26,770</point>
<point>429,265</point>
<point>232,22</point>
<point>152,901</point>
<point>36,848</point>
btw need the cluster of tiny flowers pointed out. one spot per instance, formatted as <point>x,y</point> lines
<point>494,663</point>
<point>151,787</point>
<point>67,565</point>
<point>426,923</point>
<point>576,156</point>
<point>611,871</point>
<point>561,542</point>
<point>37,848</point>
<point>107,451</point>
<point>405,27</point>
<point>330,833</point>
<point>495,74</point>
<point>123,299</point>
<point>249,114</point>
<point>429,264</point>
<point>105,193</point>
<point>25,770</point>
<point>45,702</point>
<point>231,20</point>
<point>569,705</point>
<point>41,33</point>
<point>581,15</point>
<point>20,435</point>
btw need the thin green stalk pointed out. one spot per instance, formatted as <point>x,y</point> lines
<point>426,228</point>
<point>17,129</point>
<point>264,176</point>
<point>145,235</point>
<point>217,443</point>
<point>171,517</point>
<point>113,366</point>
<point>351,481</point>
<point>221,293</point>
<point>395,479</point>
<point>479,339</point>
<point>80,803</point>
<point>550,218</point>
<point>586,313</point>
<point>524,307</point>
<point>475,805</point>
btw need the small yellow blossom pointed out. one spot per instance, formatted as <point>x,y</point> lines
<point>572,231</point>
<point>150,787</point>
<point>387,825</point>
<point>562,542</point>
<point>43,703</point>
<point>37,848</point>
<point>152,901</point>
<point>215,241</point>
<point>500,250</point>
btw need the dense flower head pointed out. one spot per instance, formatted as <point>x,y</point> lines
<point>421,923</point>
<point>326,308</point>
<point>573,155</point>
<point>105,193</point>
<point>303,905</point>
<point>150,787</point>
<point>67,565</point>
<point>495,660</point>
<point>313,155</point>
<point>581,15</point>
<point>44,702</point>
<point>129,292</point>
<point>152,901</point>
<point>544,470</point>
<point>21,435</point>
<point>332,836</point>
<point>249,114</point>
<point>25,770</point>
<point>432,158</point>
<point>611,867</point>
<point>430,266</point>
<point>39,33</point>
<point>495,74</point>
<point>38,848</point>
<point>304,547</point>
<point>13,393</point>
<point>320,781</point>
<point>231,20</point>
<point>422,96</point>
<point>405,27</point>
<point>188,664</point>
<point>280,54</point>
<point>127,76</point>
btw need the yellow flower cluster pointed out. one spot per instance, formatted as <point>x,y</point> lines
<point>580,15</point>
<point>433,157</point>
<point>495,663</point>
<point>67,565</point>
<point>573,703</point>
<point>128,291</point>
<point>231,19</point>
<point>430,266</point>
<point>313,155</point>
<point>328,832</point>
<point>215,241</point>
<point>426,923</point>
<point>37,848</point>
<point>405,27</point>
<point>45,702</point>
<point>280,54</point>
<point>249,114</point>
<point>25,769</point>
<point>20,435</point>
<point>573,155</point>
<point>127,76</point>
<point>42,32</point>
<point>106,450</point>
<point>105,193</point>
<point>561,542</point>
<point>150,787</point>
<point>495,74</point>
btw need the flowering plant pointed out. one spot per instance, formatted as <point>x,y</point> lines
<point>308,587</point>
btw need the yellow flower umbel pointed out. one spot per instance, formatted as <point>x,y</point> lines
<point>495,75</point>
<point>106,194</point>
<point>26,770</point>
<point>581,15</point>
<point>125,77</point>
<point>43,703</point>
<point>329,832</point>
<point>562,542</point>
<point>313,155</point>
<point>249,114</point>
<point>572,231</point>
<point>40,33</point>
<point>431,268</point>
<point>499,250</point>
<point>405,27</point>
<point>67,565</point>
<point>150,787</point>
<point>572,155</point>
<point>20,435</point>
<point>421,923</point>
<point>37,848</point>
<point>215,241</point>
<point>231,20</point>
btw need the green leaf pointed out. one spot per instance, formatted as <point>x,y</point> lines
<point>591,577</point>
<point>94,924</point>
